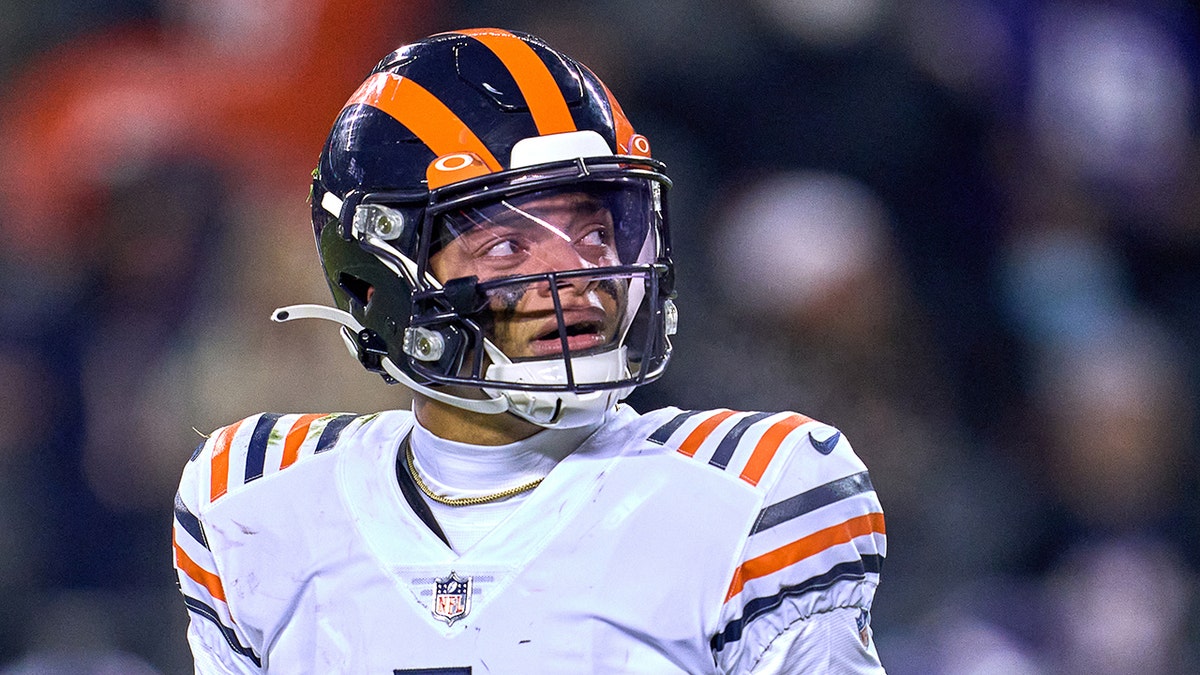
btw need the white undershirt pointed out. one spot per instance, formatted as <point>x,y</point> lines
<point>454,470</point>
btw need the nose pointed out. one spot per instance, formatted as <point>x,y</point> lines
<point>562,256</point>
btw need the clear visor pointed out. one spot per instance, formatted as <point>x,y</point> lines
<point>561,274</point>
<point>605,224</point>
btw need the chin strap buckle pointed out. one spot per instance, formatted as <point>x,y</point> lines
<point>372,350</point>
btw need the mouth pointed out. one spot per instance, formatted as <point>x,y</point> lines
<point>583,333</point>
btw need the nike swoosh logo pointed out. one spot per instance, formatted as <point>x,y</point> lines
<point>826,446</point>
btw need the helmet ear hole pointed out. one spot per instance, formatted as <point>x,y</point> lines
<point>358,289</point>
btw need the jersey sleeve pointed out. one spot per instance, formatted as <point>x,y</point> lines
<point>218,643</point>
<point>833,641</point>
<point>801,594</point>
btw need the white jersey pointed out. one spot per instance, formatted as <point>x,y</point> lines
<point>671,542</point>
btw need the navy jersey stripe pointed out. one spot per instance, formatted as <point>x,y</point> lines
<point>196,452</point>
<point>189,522</point>
<point>256,452</point>
<point>728,444</point>
<point>331,432</point>
<point>209,613</point>
<point>813,499</point>
<point>857,569</point>
<point>664,432</point>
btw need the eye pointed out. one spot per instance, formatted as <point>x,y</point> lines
<point>502,248</point>
<point>597,236</point>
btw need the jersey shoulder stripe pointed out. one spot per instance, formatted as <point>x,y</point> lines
<point>807,547</point>
<point>208,580</point>
<point>219,470</point>
<point>744,443</point>
<point>256,451</point>
<point>189,522</point>
<point>664,433</point>
<point>199,608</point>
<point>847,571</point>
<point>729,443</point>
<point>295,438</point>
<point>204,594</point>
<point>806,502</point>
<point>267,443</point>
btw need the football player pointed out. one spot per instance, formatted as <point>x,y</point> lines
<point>494,233</point>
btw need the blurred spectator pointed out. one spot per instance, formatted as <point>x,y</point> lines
<point>1122,606</point>
<point>1118,418</point>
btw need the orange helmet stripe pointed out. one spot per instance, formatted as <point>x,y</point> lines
<point>621,123</point>
<point>542,95</point>
<point>423,114</point>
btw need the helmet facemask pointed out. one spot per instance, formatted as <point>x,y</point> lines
<point>552,293</point>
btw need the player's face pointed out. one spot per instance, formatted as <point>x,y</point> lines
<point>539,234</point>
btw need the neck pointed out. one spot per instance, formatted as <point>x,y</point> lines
<point>465,426</point>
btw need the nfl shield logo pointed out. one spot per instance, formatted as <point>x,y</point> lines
<point>451,598</point>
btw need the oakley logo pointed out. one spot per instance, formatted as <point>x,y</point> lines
<point>458,160</point>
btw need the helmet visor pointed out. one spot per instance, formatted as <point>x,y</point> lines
<point>603,224</point>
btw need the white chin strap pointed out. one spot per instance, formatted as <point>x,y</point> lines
<point>560,410</point>
<point>552,410</point>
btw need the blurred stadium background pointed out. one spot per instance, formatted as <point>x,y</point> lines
<point>967,232</point>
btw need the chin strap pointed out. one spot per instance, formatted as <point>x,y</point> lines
<point>494,405</point>
<point>560,410</point>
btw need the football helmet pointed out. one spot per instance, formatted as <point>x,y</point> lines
<point>494,232</point>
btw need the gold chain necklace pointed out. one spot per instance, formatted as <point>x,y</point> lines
<point>460,501</point>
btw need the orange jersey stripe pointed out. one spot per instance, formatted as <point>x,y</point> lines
<point>800,549</point>
<point>767,446</point>
<point>542,95</point>
<point>692,443</point>
<point>423,114</point>
<point>295,437</point>
<point>218,483</point>
<point>197,573</point>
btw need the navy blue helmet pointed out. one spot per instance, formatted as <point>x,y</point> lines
<point>494,232</point>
